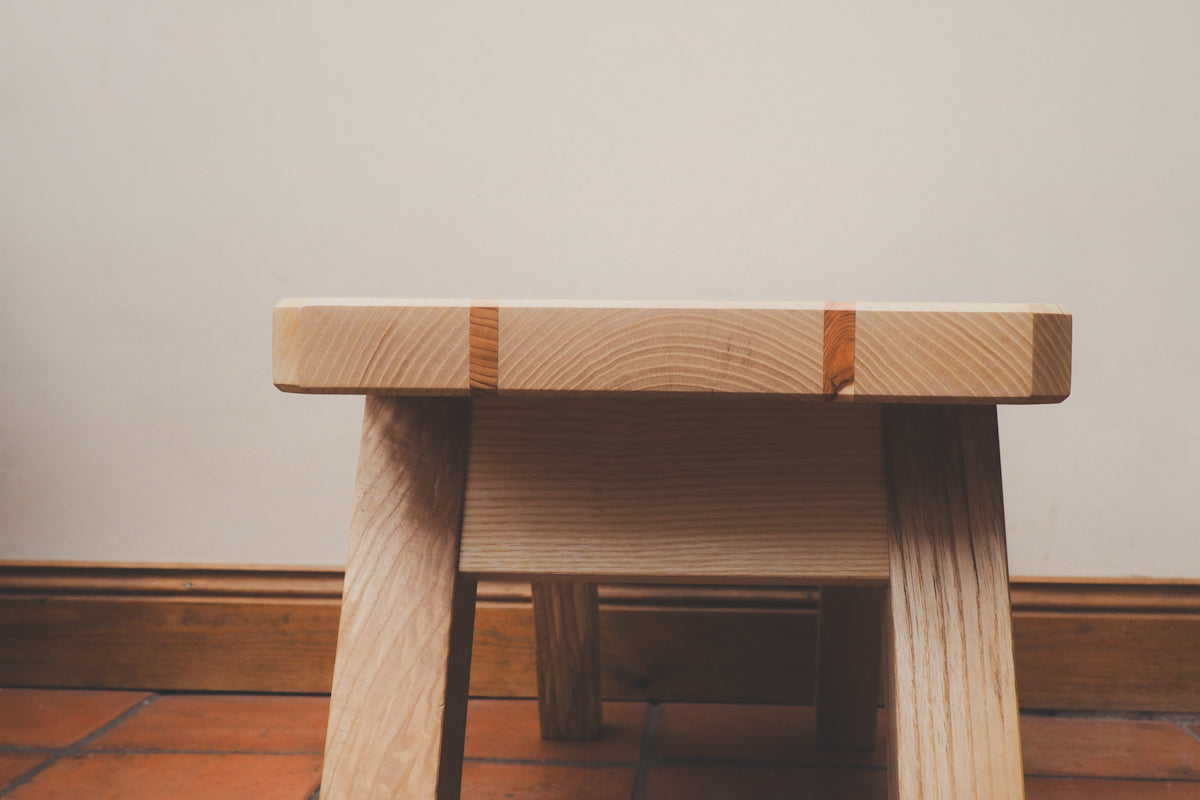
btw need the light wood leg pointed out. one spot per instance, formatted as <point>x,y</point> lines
<point>566,619</point>
<point>398,711</point>
<point>849,655</point>
<point>952,692</point>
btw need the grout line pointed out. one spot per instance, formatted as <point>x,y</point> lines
<point>549,762</point>
<point>705,761</point>
<point>1189,731</point>
<point>169,751</point>
<point>77,747</point>
<point>1114,778</point>
<point>697,761</point>
<point>1184,717</point>
<point>646,753</point>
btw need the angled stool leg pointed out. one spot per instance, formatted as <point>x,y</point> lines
<point>849,654</point>
<point>567,627</point>
<point>398,712</point>
<point>951,688</point>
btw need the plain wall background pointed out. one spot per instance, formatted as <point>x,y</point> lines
<point>171,168</point>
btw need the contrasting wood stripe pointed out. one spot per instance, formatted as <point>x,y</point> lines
<point>485,345</point>
<point>839,351</point>
<point>873,352</point>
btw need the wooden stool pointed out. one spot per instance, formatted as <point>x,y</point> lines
<point>576,443</point>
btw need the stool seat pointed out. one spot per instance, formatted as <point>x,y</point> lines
<point>890,352</point>
<point>570,443</point>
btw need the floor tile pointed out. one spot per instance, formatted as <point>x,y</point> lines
<point>58,717</point>
<point>175,776</point>
<point>774,734</point>
<point>1104,789</point>
<point>509,729</point>
<point>14,765</point>
<point>227,723</point>
<point>545,782</point>
<point>764,783</point>
<point>1110,748</point>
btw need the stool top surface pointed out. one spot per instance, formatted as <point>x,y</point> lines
<point>874,352</point>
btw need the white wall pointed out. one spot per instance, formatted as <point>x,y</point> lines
<point>170,168</point>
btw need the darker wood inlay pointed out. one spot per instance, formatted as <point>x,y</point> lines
<point>838,380</point>
<point>485,344</point>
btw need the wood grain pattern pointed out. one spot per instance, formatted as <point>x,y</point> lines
<point>273,584</point>
<point>667,349</point>
<point>398,712</point>
<point>1051,356</point>
<point>1122,645</point>
<point>567,624</point>
<point>754,489</point>
<point>939,352</point>
<point>962,353</point>
<point>372,347</point>
<point>849,653</point>
<point>171,644</point>
<point>952,691</point>
<point>288,346</point>
<point>485,339</point>
<point>838,379</point>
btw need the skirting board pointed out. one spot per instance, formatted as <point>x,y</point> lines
<point>1080,644</point>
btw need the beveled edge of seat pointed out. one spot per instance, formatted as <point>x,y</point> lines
<point>872,352</point>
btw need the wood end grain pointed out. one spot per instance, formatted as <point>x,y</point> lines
<point>868,352</point>
<point>1051,357</point>
<point>838,372</point>
<point>684,349</point>
<point>371,347</point>
<point>285,329</point>
<point>485,347</point>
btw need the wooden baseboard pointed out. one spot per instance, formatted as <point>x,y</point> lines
<point>1104,645</point>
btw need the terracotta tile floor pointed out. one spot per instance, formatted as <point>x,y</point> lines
<point>140,746</point>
